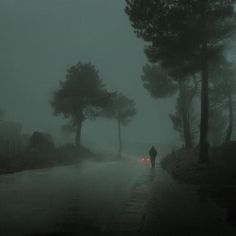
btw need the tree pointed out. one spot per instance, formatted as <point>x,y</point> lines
<point>158,82</point>
<point>122,109</point>
<point>222,91</point>
<point>186,35</point>
<point>161,84</point>
<point>81,96</point>
<point>217,126</point>
<point>185,119</point>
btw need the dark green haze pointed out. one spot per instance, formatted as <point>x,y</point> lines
<point>40,39</point>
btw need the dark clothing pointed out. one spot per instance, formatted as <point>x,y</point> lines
<point>153,154</point>
<point>153,160</point>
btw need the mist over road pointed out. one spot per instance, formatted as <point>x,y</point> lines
<point>66,199</point>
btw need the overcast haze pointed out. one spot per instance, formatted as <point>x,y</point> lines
<point>40,39</point>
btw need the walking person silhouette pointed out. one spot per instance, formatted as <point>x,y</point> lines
<point>153,154</point>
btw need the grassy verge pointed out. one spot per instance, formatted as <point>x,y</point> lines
<point>184,166</point>
<point>34,159</point>
<point>216,181</point>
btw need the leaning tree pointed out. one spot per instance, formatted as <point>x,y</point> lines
<point>81,96</point>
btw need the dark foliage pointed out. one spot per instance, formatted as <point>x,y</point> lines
<point>81,96</point>
<point>161,84</point>
<point>34,159</point>
<point>184,36</point>
<point>222,95</point>
<point>41,142</point>
<point>122,109</point>
<point>158,82</point>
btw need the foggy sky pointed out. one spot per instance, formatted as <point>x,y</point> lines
<point>40,39</point>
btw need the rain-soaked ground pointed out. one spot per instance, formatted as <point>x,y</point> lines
<point>105,198</point>
<point>65,199</point>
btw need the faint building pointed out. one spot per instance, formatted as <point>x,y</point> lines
<point>42,142</point>
<point>10,137</point>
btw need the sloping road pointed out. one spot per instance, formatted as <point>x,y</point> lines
<point>180,209</point>
<point>66,199</point>
<point>106,198</point>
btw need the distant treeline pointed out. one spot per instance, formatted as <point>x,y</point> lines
<point>20,152</point>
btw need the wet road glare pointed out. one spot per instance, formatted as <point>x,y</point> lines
<point>65,199</point>
<point>105,198</point>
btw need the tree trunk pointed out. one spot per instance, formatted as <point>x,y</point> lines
<point>185,114</point>
<point>204,108</point>
<point>203,158</point>
<point>231,118</point>
<point>119,138</point>
<point>78,134</point>
<point>187,130</point>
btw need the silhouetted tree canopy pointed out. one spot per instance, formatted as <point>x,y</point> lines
<point>175,28</point>
<point>158,82</point>
<point>41,142</point>
<point>161,84</point>
<point>81,96</point>
<point>122,109</point>
<point>221,94</point>
<point>184,36</point>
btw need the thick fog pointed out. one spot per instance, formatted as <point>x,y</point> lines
<point>171,170</point>
<point>40,40</point>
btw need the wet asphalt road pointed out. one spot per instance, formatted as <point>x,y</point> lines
<point>66,199</point>
<point>105,198</point>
